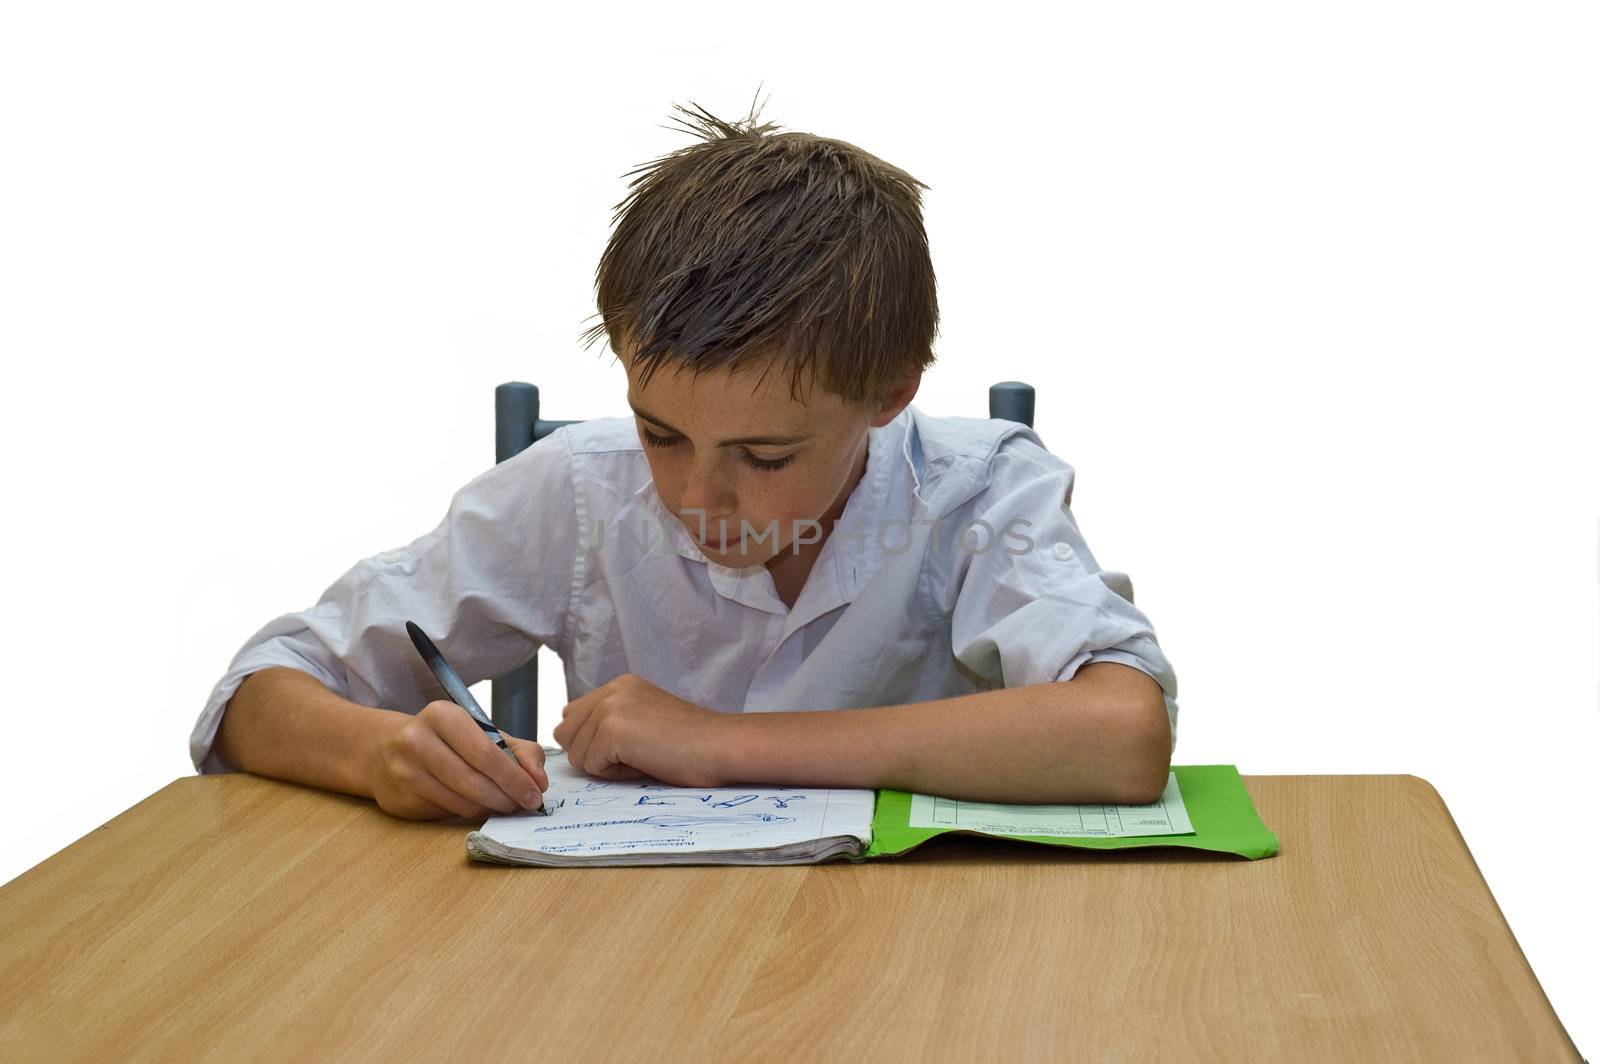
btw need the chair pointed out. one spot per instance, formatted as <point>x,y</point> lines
<point>517,425</point>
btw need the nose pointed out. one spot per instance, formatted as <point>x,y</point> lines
<point>706,489</point>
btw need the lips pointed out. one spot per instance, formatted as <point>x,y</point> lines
<point>711,542</point>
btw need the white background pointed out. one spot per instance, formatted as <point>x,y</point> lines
<point>1308,293</point>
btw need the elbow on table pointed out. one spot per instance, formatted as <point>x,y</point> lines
<point>1149,757</point>
<point>1145,785</point>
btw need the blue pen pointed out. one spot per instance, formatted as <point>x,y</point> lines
<point>460,695</point>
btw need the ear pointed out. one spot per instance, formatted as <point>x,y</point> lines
<point>897,398</point>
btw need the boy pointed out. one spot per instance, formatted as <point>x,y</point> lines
<point>777,571</point>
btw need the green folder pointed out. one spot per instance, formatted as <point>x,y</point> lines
<point>1220,811</point>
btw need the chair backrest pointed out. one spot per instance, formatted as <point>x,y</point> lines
<point>517,426</point>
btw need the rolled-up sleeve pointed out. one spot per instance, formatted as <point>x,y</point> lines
<point>1035,606</point>
<point>490,584</point>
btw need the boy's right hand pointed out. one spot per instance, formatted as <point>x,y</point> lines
<point>439,764</point>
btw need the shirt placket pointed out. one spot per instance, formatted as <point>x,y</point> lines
<point>754,589</point>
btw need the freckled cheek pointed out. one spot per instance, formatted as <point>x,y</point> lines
<point>788,504</point>
<point>668,484</point>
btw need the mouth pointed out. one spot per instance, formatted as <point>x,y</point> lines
<point>712,543</point>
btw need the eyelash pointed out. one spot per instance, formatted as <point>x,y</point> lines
<point>766,465</point>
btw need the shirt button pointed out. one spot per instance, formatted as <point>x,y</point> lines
<point>1061,551</point>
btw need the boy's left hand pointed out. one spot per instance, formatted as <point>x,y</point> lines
<point>629,728</point>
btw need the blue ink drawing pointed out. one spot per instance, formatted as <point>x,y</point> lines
<point>778,802</point>
<point>677,822</point>
<point>670,799</point>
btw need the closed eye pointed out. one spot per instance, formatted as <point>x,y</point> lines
<point>768,465</point>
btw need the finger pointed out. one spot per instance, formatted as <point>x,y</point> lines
<point>579,703</point>
<point>422,809</point>
<point>572,718</point>
<point>426,786</point>
<point>473,746</point>
<point>582,743</point>
<point>450,769</point>
<point>531,755</point>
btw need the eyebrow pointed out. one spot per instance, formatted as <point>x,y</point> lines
<point>768,441</point>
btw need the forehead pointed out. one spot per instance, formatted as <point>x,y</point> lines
<point>756,397</point>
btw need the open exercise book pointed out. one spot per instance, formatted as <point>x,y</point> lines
<point>594,822</point>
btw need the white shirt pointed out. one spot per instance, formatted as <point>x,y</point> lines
<point>568,545</point>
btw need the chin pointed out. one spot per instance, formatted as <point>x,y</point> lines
<point>733,557</point>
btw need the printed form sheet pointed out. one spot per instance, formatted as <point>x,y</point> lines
<point>1165,817</point>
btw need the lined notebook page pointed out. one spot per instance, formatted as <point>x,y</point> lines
<point>632,822</point>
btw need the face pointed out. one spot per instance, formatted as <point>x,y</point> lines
<point>727,451</point>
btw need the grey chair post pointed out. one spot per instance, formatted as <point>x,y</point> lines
<point>514,697</point>
<point>516,408</point>
<point>1013,401</point>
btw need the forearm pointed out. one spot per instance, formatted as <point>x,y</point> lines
<point>1100,737</point>
<point>286,724</point>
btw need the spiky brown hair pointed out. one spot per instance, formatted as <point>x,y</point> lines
<point>754,248</point>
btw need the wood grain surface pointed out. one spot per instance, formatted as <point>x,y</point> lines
<point>237,918</point>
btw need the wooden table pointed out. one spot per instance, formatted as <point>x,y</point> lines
<point>232,917</point>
